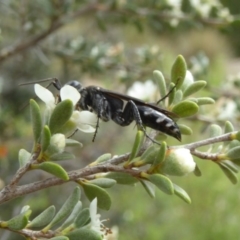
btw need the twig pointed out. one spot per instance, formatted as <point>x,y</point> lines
<point>223,138</point>
<point>8,194</point>
<point>12,50</point>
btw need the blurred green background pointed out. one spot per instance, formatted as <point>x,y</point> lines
<point>114,44</point>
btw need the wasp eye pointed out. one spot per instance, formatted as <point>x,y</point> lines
<point>75,84</point>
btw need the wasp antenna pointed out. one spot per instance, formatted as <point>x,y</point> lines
<point>39,81</point>
<point>170,91</point>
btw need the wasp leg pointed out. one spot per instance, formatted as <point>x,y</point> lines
<point>128,114</point>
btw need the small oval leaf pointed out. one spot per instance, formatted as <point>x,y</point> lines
<point>229,173</point>
<point>83,218</point>
<point>73,143</point>
<point>194,87</point>
<point>46,137</point>
<point>18,222</point>
<point>53,168</point>
<point>172,94</point>
<point>228,127</point>
<point>93,191</point>
<point>60,115</point>
<point>103,182</point>
<point>161,82</point>
<point>185,109</point>
<point>178,71</point>
<point>233,153</point>
<point>72,216</point>
<point>160,155</point>
<point>205,101</point>
<point>59,238</point>
<point>181,193</point>
<point>137,144</point>
<point>149,187</point>
<point>66,209</point>
<point>122,178</point>
<point>103,158</point>
<point>43,218</point>
<point>197,172</point>
<point>36,120</point>
<point>62,156</point>
<point>185,130</point>
<point>215,130</point>
<point>84,233</point>
<point>162,182</point>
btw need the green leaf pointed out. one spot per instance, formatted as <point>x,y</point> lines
<point>162,182</point>
<point>185,109</point>
<point>150,154</point>
<point>233,153</point>
<point>215,130</point>
<point>122,178</point>
<point>84,234</point>
<point>231,165</point>
<point>103,182</point>
<point>23,157</point>
<point>178,96</point>
<point>205,100</point>
<point>60,115</point>
<point>36,120</point>
<point>46,137</point>
<point>194,87</point>
<point>72,216</point>
<point>53,168</point>
<point>185,130</point>
<point>236,136</point>
<point>73,143</point>
<point>178,71</point>
<point>62,156</point>
<point>161,82</point>
<point>93,191</point>
<point>160,155</point>
<point>83,218</point>
<point>137,144</point>
<point>228,127</point>
<point>59,238</point>
<point>103,158</point>
<point>229,173</point>
<point>181,193</point>
<point>18,222</point>
<point>25,209</point>
<point>171,96</point>
<point>66,209</point>
<point>43,218</point>
<point>149,187</point>
<point>197,172</point>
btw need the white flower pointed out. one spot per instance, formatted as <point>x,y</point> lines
<point>142,90</point>
<point>46,96</point>
<point>95,223</point>
<point>84,120</point>
<point>178,162</point>
<point>66,92</point>
<point>71,93</point>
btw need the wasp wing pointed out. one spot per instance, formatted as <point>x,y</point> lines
<point>137,101</point>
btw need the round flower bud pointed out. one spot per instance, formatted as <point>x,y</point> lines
<point>178,162</point>
<point>57,144</point>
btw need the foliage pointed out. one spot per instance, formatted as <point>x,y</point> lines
<point>54,38</point>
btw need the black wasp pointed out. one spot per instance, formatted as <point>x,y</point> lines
<point>109,105</point>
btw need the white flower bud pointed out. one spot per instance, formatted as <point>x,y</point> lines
<point>178,162</point>
<point>57,143</point>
